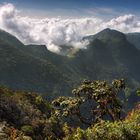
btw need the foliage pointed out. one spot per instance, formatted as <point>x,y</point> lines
<point>101,98</point>
<point>27,116</point>
<point>128,129</point>
<point>27,129</point>
<point>26,113</point>
<point>138,92</point>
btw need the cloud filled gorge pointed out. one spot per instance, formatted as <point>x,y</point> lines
<point>57,32</point>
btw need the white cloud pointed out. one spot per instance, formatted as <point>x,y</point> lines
<point>56,32</point>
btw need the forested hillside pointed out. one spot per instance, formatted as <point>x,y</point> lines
<point>109,55</point>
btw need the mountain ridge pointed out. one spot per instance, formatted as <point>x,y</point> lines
<point>35,68</point>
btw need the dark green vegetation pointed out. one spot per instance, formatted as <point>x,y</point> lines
<point>109,55</point>
<point>134,38</point>
<point>96,106</point>
<point>93,101</point>
<point>29,67</point>
<point>128,129</point>
<point>27,116</point>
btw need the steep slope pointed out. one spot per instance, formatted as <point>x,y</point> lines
<point>126,53</point>
<point>112,55</point>
<point>134,38</point>
<point>7,38</point>
<point>21,69</point>
<point>109,55</point>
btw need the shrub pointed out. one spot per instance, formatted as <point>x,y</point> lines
<point>100,98</point>
<point>27,129</point>
<point>128,129</point>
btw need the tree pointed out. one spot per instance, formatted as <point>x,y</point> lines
<point>100,97</point>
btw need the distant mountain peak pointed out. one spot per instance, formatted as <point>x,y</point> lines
<point>110,33</point>
<point>106,30</point>
<point>106,35</point>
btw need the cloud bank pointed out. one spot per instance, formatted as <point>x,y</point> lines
<point>57,32</point>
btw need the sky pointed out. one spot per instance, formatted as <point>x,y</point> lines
<point>76,8</point>
<point>65,22</point>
